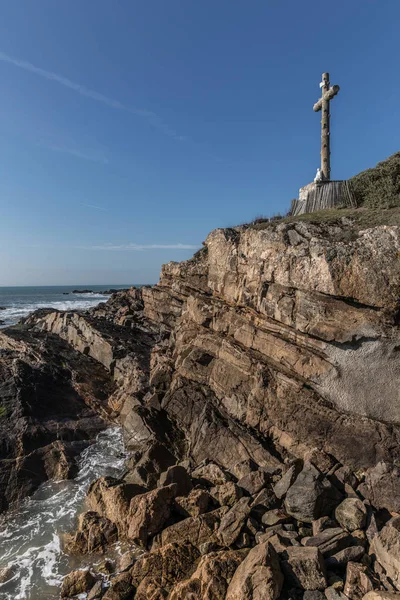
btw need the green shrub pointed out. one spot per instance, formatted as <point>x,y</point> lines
<point>378,187</point>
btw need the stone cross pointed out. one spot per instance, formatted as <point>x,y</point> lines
<point>328,93</point>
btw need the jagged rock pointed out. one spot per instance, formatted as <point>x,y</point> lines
<point>253,482</point>
<point>386,547</point>
<point>111,499</point>
<point>358,582</point>
<point>149,589</point>
<point>258,577</point>
<point>121,588</point>
<point>289,477</point>
<point>211,578</point>
<point>330,541</point>
<point>211,474</point>
<point>195,504</point>
<point>77,582</point>
<point>311,496</point>
<point>149,512</point>
<point>304,568</point>
<point>127,559</point>
<point>227,494</point>
<point>96,591</point>
<point>277,541</point>
<point>353,554</point>
<point>179,476</point>
<point>263,536</point>
<point>244,467</point>
<point>94,534</point>
<point>154,460</point>
<point>196,530</point>
<point>166,566</point>
<point>232,523</point>
<point>53,403</point>
<point>351,514</point>
<point>263,501</point>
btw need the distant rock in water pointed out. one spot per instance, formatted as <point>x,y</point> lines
<point>103,293</point>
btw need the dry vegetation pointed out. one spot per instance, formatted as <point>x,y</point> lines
<point>377,192</point>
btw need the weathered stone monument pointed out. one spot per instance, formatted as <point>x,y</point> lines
<point>323,192</point>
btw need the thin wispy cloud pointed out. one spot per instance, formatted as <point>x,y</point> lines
<point>149,115</point>
<point>95,207</point>
<point>141,247</point>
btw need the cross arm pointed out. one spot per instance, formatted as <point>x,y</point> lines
<point>331,93</point>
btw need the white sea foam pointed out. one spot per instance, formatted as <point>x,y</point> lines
<point>11,314</point>
<point>30,535</point>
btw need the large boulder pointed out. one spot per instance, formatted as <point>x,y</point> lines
<point>254,481</point>
<point>258,577</point>
<point>232,523</point>
<point>211,578</point>
<point>227,494</point>
<point>165,566</point>
<point>111,499</point>
<point>195,504</point>
<point>211,474</point>
<point>196,530</point>
<point>287,480</point>
<point>178,475</point>
<point>386,547</point>
<point>330,541</point>
<point>358,582</point>
<point>304,568</point>
<point>77,582</point>
<point>121,588</point>
<point>351,514</point>
<point>94,534</point>
<point>311,496</point>
<point>149,512</point>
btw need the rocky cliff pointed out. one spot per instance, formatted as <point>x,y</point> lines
<point>274,350</point>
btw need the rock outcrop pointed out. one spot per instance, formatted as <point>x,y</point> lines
<point>257,385</point>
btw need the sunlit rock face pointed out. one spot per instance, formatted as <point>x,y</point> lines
<point>269,342</point>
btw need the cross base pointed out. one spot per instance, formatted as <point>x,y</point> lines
<point>321,195</point>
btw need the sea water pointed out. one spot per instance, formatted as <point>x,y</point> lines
<point>30,535</point>
<point>18,302</point>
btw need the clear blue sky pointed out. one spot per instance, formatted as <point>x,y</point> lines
<point>130,129</point>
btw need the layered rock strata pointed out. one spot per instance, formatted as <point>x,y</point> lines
<point>268,367</point>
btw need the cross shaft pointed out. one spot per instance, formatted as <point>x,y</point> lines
<point>328,93</point>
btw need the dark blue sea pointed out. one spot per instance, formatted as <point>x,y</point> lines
<point>18,302</point>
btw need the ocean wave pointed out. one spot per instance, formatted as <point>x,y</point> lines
<point>30,535</point>
<point>12,314</point>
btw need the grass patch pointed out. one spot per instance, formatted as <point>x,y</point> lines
<point>354,218</point>
<point>3,411</point>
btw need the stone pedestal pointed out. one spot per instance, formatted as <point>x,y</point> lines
<point>321,195</point>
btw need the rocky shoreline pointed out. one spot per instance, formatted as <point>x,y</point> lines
<point>257,385</point>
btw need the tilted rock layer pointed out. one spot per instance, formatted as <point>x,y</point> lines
<point>266,343</point>
<point>267,366</point>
